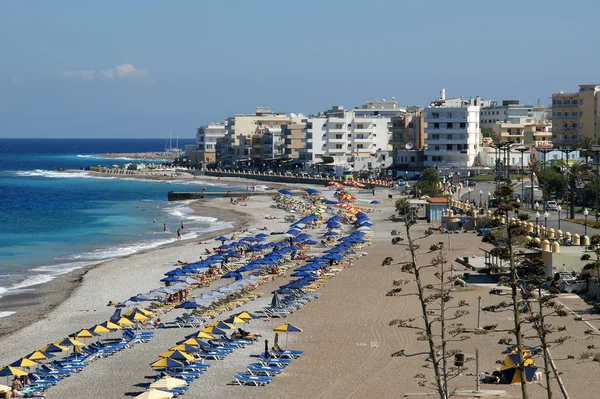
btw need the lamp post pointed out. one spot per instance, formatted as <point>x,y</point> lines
<point>546,224</point>
<point>537,225</point>
<point>585,215</point>
<point>517,208</point>
<point>596,151</point>
<point>570,194</point>
<point>522,150</point>
<point>558,208</point>
<point>480,198</point>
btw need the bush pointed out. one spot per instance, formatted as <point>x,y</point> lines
<point>585,257</point>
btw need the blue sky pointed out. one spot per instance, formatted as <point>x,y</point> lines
<point>144,68</point>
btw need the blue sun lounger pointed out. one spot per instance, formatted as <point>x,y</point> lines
<point>274,362</point>
<point>253,380</point>
<point>259,369</point>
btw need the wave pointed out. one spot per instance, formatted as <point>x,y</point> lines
<point>33,280</point>
<point>52,174</point>
<point>5,314</point>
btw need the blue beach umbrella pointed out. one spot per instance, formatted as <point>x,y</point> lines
<point>285,192</point>
<point>234,274</point>
<point>222,239</point>
<point>276,301</point>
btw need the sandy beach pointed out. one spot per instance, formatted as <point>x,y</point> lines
<point>347,340</point>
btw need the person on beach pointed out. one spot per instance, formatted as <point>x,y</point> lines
<point>179,234</point>
<point>181,225</point>
<point>164,227</point>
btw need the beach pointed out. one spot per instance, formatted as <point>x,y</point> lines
<point>347,338</point>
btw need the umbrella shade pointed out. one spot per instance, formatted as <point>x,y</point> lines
<point>247,316</point>
<point>184,348</point>
<point>124,321</point>
<point>222,238</point>
<point>168,383</point>
<point>200,335</point>
<point>188,305</point>
<point>234,320</point>
<point>138,317</point>
<point>285,192</point>
<point>138,310</point>
<point>510,369</point>
<point>166,363</point>
<point>276,302</point>
<point>70,342</point>
<point>23,362</point>
<point>109,325</point>
<point>177,355</point>
<point>221,325</point>
<point>287,328</point>
<point>11,371</point>
<point>155,394</point>
<point>38,355</point>
<point>53,348</point>
<point>84,333</point>
<point>214,330</point>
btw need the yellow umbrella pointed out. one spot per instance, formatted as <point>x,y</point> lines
<point>9,370</point>
<point>24,362</point>
<point>83,334</point>
<point>246,316</point>
<point>37,355</point>
<point>234,320</point>
<point>177,355</point>
<point>138,310</point>
<point>110,325</point>
<point>69,342</point>
<point>154,394</point>
<point>166,362</point>
<point>138,317</point>
<point>199,335</point>
<point>168,383</point>
<point>124,321</point>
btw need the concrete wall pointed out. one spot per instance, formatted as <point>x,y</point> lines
<point>282,179</point>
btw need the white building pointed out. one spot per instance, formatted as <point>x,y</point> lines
<point>204,152</point>
<point>453,132</point>
<point>351,141</point>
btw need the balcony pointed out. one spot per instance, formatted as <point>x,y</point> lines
<point>336,130</point>
<point>336,150</point>
<point>558,106</point>
<point>367,140</point>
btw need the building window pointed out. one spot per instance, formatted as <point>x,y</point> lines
<point>339,136</point>
<point>359,146</point>
<point>449,137</point>
<point>463,125</point>
<point>435,115</point>
<point>360,126</point>
<point>449,125</point>
<point>338,146</point>
<point>436,125</point>
<point>437,147</point>
<point>449,147</point>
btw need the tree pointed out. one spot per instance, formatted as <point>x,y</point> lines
<point>435,300</point>
<point>578,171</point>
<point>489,132</point>
<point>429,182</point>
<point>586,144</point>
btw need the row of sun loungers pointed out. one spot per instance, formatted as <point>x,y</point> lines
<point>268,366</point>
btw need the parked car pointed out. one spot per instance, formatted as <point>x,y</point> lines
<point>551,206</point>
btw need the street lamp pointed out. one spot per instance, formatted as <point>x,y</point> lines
<point>537,206</point>
<point>537,225</point>
<point>546,223</point>
<point>585,214</point>
<point>558,208</point>
<point>489,196</point>
<point>517,208</point>
<point>480,197</point>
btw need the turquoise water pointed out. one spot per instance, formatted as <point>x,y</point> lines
<point>53,222</point>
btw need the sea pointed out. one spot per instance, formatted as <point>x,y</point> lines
<point>53,222</point>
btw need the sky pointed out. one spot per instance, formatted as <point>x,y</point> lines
<point>142,68</point>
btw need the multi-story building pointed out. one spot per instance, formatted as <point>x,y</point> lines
<point>351,141</point>
<point>408,131</point>
<point>575,115</point>
<point>509,112</point>
<point>244,141</point>
<point>294,135</point>
<point>205,150</point>
<point>453,132</point>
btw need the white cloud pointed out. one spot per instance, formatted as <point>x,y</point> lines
<point>123,72</point>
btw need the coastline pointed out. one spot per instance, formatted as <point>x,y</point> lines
<point>37,301</point>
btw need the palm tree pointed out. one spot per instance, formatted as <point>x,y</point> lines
<point>586,144</point>
<point>577,172</point>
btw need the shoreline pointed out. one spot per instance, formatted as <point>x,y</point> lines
<point>40,299</point>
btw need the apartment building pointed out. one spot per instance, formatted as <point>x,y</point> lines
<point>575,115</point>
<point>357,140</point>
<point>408,131</point>
<point>205,150</point>
<point>453,134</point>
<point>509,112</point>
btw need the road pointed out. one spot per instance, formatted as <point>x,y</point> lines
<point>551,222</point>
